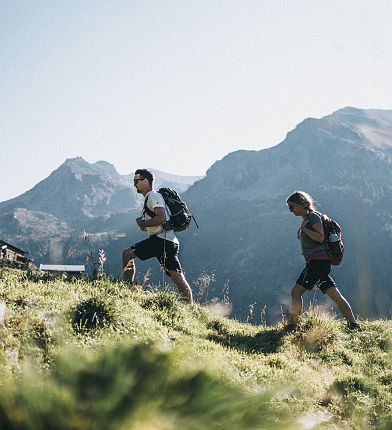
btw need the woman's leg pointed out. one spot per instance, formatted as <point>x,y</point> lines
<point>296,303</point>
<point>343,305</point>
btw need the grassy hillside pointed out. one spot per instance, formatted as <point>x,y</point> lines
<point>98,355</point>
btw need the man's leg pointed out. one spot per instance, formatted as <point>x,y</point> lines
<point>128,259</point>
<point>171,264</point>
<point>343,305</point>
<point>183,287</point>
<point>296,303</point>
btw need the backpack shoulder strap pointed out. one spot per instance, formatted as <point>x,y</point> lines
<point>317,213</point>
<point>146,209</point>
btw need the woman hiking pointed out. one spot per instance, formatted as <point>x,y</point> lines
<point>318,266</point>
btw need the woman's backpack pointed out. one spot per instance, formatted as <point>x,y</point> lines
<point>333,240</point>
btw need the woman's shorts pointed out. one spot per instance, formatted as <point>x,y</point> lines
<point>164,250</point>
<point>316,274</point>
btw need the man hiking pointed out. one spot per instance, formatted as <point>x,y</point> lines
<point>162,244</point>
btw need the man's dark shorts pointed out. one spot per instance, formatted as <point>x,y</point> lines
<point>316,273</point>
<point>156,247</point>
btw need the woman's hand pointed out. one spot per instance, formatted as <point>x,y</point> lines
<point>304,224</point>
<point>317,232</point>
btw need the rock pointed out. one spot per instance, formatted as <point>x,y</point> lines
<point>3,308</point>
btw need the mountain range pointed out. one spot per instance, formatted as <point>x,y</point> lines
<point>50,219</point>
<point>246,242</point>
<point>344,161</point>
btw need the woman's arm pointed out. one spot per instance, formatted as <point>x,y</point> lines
<point>317,234</point>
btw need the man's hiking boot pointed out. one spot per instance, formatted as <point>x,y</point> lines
<point>353,326</point>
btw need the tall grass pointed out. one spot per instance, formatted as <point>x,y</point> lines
<point>99,355</point>
<point>131,387</point>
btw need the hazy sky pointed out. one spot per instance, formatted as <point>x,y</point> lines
<point>176,85</point>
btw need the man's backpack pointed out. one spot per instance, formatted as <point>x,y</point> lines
<point>180,217</point>
<point>333,240</point>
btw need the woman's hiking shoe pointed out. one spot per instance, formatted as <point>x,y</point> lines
<point>353,326</point>
<point>290,326</point>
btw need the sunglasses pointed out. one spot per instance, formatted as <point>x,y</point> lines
<point>291,207</point>
<point>135,181</point>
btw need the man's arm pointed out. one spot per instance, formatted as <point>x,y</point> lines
<point>158,219</point>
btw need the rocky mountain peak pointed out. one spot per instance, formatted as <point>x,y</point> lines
<point>79,167</point>
<point>368,128</point>
<point>106,167</point>
<point>78,190</point>
<point>75,163</point>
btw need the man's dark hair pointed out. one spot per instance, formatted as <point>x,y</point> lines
<point>145,174</point>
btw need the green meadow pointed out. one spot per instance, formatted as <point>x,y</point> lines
<point>81,355</point>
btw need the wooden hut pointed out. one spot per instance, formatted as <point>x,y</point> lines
<point>11,252</point>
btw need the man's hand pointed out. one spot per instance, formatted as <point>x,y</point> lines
<point>140,223</point>
<point>156,220</point>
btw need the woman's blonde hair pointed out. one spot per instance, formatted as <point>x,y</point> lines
<point>303,199</point>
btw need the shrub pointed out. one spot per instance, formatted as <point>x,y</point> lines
<point>350,384</point>
<point>166,307</point>
<point>92,314</point>
<point>42,337</point>
<point>315,332</point>
<point>220,326</point>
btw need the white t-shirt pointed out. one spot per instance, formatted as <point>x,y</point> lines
<point>155,200</point>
